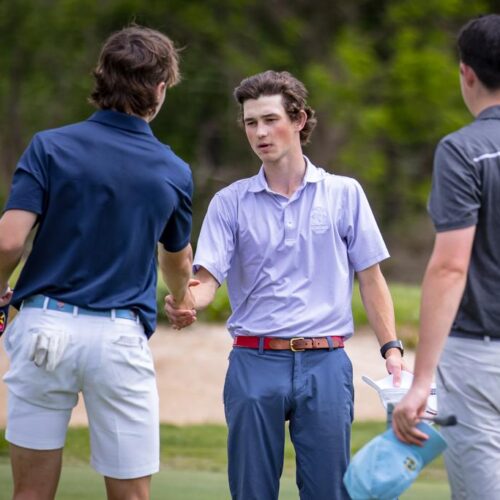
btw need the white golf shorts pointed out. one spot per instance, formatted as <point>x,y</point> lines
<point>109,361</point>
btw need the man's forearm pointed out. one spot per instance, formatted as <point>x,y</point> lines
<point>442,291</point>
<point>9,259</point>
<point>204,294</point>
<point>177,282</point>
<point>176,271</point>
<point>15,226</point>
<point>378,304</point>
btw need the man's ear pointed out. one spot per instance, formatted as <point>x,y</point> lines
<point>468,74</point>
<point>301,120</point>
<point>160,88</point>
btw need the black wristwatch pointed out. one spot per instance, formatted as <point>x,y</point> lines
<point>392,344</point>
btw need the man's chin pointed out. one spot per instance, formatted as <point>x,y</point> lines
<point>265,156</point>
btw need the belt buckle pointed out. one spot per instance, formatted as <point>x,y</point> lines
<point>294,339</point>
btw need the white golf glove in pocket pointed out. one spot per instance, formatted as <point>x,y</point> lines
<point>47,347</point>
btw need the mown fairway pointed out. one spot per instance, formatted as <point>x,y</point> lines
<point>194,464</point>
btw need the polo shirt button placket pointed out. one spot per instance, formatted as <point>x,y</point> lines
<point>290,236</point>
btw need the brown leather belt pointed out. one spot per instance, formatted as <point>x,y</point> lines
<point>294,344</point>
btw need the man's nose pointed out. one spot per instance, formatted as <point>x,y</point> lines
<point>261,130</point>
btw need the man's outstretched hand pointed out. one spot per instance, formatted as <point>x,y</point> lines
<point>182,314</point>
<point>6,296</point>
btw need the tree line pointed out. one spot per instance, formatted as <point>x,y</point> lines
<point>382,76</point>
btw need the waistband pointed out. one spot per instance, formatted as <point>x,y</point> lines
<point>484,338</point>
<point>295,344</point>
<point>42,302</point>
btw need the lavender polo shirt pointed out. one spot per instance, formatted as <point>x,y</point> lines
<point>290,262</point>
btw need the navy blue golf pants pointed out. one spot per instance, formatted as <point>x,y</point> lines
<point>314,391</point>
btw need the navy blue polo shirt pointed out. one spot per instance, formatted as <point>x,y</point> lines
<point>105,191</point>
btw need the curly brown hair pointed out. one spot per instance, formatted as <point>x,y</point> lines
<point>133,61</point>
<point>293,92</point>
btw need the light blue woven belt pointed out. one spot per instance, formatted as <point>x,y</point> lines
<point>41,302</point>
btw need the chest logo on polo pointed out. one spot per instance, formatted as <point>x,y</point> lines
<point>319,220</point>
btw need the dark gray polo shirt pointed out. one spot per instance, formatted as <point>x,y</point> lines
<point>466,192</point>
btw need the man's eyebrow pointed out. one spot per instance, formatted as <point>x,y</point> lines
<point>267,115</point>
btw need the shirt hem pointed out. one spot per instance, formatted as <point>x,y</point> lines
<point>450,226</point>
<point>218,276</point>
<point>375,260</point>
<point>17,206</point>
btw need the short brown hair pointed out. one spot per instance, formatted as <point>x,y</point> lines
<point>293,92</point>
<point>132,63</point>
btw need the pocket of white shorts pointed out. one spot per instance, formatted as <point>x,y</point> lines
<point>129,341</point>
<point>127,363</point>
<point>9,337</point>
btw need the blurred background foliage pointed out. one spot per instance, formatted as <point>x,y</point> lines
<point>382,76</point>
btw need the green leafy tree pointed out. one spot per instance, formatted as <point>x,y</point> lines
<point>382,75</point>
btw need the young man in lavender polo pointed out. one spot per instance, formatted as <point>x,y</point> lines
<point>102,193</point>
<point>289,241</point>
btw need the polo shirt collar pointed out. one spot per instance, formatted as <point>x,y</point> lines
<point>121,120</point>
<point>313,174</point>
<point>493,112</point>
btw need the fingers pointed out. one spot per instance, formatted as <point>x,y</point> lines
<point>180,318</point>
<point>394,365</point>
<point>33,347</point>
<point>396,376</point>
<point>179,325</point>
<point>6,297</point>
<point>406,430</point>
<point>39,348</point>
<point>406,416</point>
<point>52,353</point>
<point>59,342</point>
<point>47,348</point>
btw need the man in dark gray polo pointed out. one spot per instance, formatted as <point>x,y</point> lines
<point>461,288</point>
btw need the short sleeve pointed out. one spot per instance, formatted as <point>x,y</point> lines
<point>29,183</point>
<point>365,245</point>
<point>216,242</point>
<point>177,232</point>
<point>455,197</point>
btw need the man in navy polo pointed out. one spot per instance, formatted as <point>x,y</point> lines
<point>289,241</point>
<point>100,194</point>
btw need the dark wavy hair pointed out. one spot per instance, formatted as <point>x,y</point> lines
<point>479,47</point>
<point>132,63</point>
<point>293,92</point>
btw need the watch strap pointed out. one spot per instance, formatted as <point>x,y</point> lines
<point>392,344</point>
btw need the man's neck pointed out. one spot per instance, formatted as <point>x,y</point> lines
<point>483,100</point>
<point>286,175</point>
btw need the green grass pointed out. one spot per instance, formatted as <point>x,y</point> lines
<point>194,466</point>
<point>79,482</point>
<point>406,300</point>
